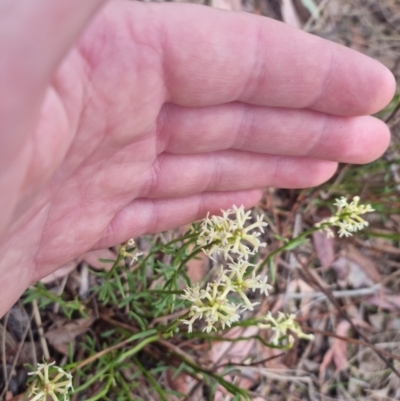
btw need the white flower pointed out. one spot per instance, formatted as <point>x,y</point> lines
<point>133,254</point>
<point>225,234</point>
<point>347,217</point>
<point>210,304</point>
<point>235,280</point>
<point>281,326</point>
<point>47,383</point>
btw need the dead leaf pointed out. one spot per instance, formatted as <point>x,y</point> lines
<point>350,273</point>
<point>385,301</point>
<point>340,356</point>
<point>299,286</point>
<point>61,337</point>
<point>182,383</point>
<point>367,264</point>
<point>324,247</point>
<point>223,352</point>
<point>337,353</point>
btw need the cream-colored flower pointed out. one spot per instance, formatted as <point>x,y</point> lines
<point>50,381</point>
<point>228,235</point>
<point>236,280</point>
<point>347,217</point>
<point>210,304</point>
<point>132,254</point>
<point>282,326</point>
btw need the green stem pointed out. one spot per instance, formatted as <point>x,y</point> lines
<point>187,259</point>
<point>236,339</point>
<point>233,389</point>
<point>174,324</point>
<point>114,266</point>
<point>151,379</point>
<point>293,243</point>
<point>104,391</point>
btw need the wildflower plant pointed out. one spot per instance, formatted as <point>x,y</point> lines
<point>145,292</point>
<point>229,236</point>
<point>51,381</point>
<point>283,325</point>
<point>347,217</point>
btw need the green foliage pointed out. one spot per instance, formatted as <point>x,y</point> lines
<point>138,307</point>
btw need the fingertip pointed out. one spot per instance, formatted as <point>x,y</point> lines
<point>302,172</point>
<point>383,85</point>
<point>370,140</point>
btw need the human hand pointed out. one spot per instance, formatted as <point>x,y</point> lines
<point>158,114</point>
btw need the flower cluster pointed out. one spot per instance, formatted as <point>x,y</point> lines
<point>229,235</point>
<point>212,303</point>
<point>235,279</point>
<point>128,250</point>
<point>226,235</point>
<point>347,217</point>
<point>283,325</point>
<point>49,381</point>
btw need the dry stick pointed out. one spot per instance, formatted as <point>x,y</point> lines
<point>270,358</point>
<point>337,294</point>
<point>344,315</point>
<point>16,357</point>
<point>100,354</point>
<point>38,321</point>
<point>32,342</point>
<point>60,290</point>
<point>393,113</point>
<point>293,212</point>
<point>312,18</point>
<point>353,341</point>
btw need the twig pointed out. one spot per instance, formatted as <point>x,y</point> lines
<point>42,338</point>
<point>3,351</point>
<point>344,315</point>
<point>393,113</point>
<point>31,339</point>
<point>60,290</point>
<point>290,377</point>
<point>262,361</point>
<point>312,18</point>
<point>352,341</point>
<point>16,357</point>
<point>337,294</point>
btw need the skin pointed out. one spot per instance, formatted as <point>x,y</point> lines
<point>135,118</point>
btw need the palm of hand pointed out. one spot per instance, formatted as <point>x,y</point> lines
<point>129,142</point>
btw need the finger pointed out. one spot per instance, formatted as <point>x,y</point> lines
<point>183,175</point>
<point>275,131</point>
<point>146,216</point>
<point>212,57</point>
